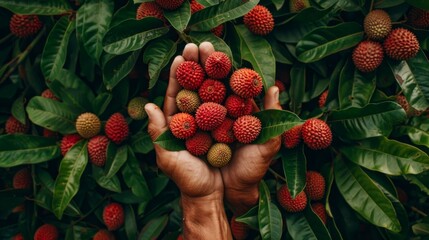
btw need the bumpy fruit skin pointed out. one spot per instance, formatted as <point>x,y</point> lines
<point>46,232</point>
<point>247,128</point>
<point>237,106</point>
<point>47,93</point>
<point>368,56</point>
<point>224,133</point>
<point>219,155</point>
<point>316,134</point>
<point>18,237</point>
<point>280,85</point>
<point>196,6</point>
<point>199,144</point>
<point>322,99</point>
<point>113,216</point>
<point>218,30</point>
<point>24,26</point>
<point>319,210</point>
<point>136,108</point>
<point>68,141</point>
<point>315,185</point>
<point>401,44</point>
<point>418,18</point>
<point>239,230</point>
<point>259,20</point>
<point>246,83</point>
<point>190,75</point>
<point>298,5</point>
<point>88,125</point>
<point>377,24</point>
<point>183,125</point>
<point>291,205</point>
<point>218,65</point>
<point>169,4</point>
<point>210,116</point>
<point>103,234</point>
<point>212,91</point>
<point>187,101</point>
<point>150,9</point>
<point>292,137</point>
<point>97,150</point>
<point>116,128</point>
<point>22,179</point>
<point>409,110</point>
<point>13,126</point>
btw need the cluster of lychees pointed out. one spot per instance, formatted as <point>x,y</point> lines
<point>215,107</point>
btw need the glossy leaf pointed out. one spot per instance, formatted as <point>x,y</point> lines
<point>76,98</point>
<point>112,184</point>
<point>250,218</point>
<point>420,180</point>
<point>55,50</point>
<point>269,216</point>
<point>419,4</point>
<point>130,223</point>
<point>18,109</point>
<point>306,225</point>
<point>375,119</point>
<point>275,122</point>
<point>132,35</point>
<point>141,143</point>
<point>169,142</point>
<point>218,43</point>
<point>68,180</point>
<point>387,156</point>
<point>294,168</point>
<point>19,149</point>
<point>421,229</point>
<point>326,41</point>
<point>134,178</point>
<point>126,12</point>
<point>113,164</point>
<point>308,15</point>
<point>417,131</point>
<point>153,228</point>
<point>180,17</point>
<point>364,196</point>
<point>298,75</point>
<point>101,102</point>
<point>51,114</point>
<point>92,22</point>
<point>38,7</point>
<point>70,80</point>
<point>118,68</point>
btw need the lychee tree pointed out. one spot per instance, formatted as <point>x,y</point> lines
<point>76,160</point>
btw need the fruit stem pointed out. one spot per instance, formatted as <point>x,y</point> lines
<point>414,209</point>
<point>6,38</point>
<point>276,174</point>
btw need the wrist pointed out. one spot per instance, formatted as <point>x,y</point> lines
<point>240,200</point>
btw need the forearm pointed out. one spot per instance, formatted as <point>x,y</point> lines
<point>205,218</point>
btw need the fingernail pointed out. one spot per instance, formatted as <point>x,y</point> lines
<point>148,109</point>
<point>276,93</point>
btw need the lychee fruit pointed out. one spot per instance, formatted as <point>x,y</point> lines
<point>402,195</point>
<point>150,9</point>
<point>199,144</point>
<point>196,6</point>
<point>281,86</point>
<point>116,128</point>
<point>418,17</point>
<point>401,44</point>
<point>368,56</point>
<point>103,234</point>
<point>212,91</point>
<point>218,30</point>
<point>187,101</point>
<point>13,126</point>
<point>316,134</point>
<point>224,133</point>
<point>169,4</point>
<point>218,65</point>
<point>292,137</point>
<point>210,116</point>
<point>259,20</point>
<point>315,185</point>
<point>22,179</point>
<point>183,125</point>
<point>377,24</point>
<point>190,75</point>
<point>49,133</point>
<point>290,204</point>
<point>97,150</point>
<point>113,216</point>
<point>237,106</point>
<point>409,110</point>
<point>239,230</point>
<point>18,236</point>
<point>298,5</point>
<point>136,108</point>
<point>88,125</point>
<point>219,155</point>
<point>246,83</point>
<point>24,26</point>
<point>247,128</point>
<point>322,98</point>
<point>46,232</point>
<point>320,210</point>
<point>68,141</point>
<point>47,93</point>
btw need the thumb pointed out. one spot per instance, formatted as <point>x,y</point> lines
<point>157,122</point>
<point>271,99</point>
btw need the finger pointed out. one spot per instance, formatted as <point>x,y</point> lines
<point>271,99</point>
<point>206,48</point>
<point>170,107</point>
<point>255,107</point>
<point>190,52</point>
<point>157,121</point>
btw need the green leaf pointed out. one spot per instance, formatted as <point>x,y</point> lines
<point>413,78</point>
<point>68,179</point>
<point>364,196</point>
<point>92,22</point>
<point>180,17</point>
<point>256,50</point>
<point>112,184</point>
<point>130,223</point>
<point>306,225</point>
<point>169,142</point>
<point>325,41</point>
<point>134,178</point>
<point>132,35</point>
<point>387,156</point>
<point>157,55</point>
<point>308,15</point>
<point>275,122</point>
<point>55,50</point>
<point>210,17</point>
<point>19,149</point>
<point>417,131</point>
<point>101,102</point>
<point>18,109</point>
<point>269,216</point>
<point>141,143</point>
<point>113,164</point>
<point>75,98</point>
<point>70,80</point>
<point>218,43</point>
<point>153,228</point>
<point>38,7</point>
<point>118,68</point>
<point>421,229</point>
<point>51,114</point>
<point>298,76</point>
<point>126,12</point>
<point>420,180</point>
<point>419,4</point>
<point>294,168</point>
<point>375,119</point>
<point>250,218</point>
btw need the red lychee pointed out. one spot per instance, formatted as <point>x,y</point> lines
<point>237,106</point>
<point>97,150</point>
<point>322,98</point>
<point>150,9</point>
<point>418,17</point>
<point>218,30</point>
<point>190,75</point>
<point>46,232</point>
<point>103,234</point>
<point>13,126</point>
<point>210,116</point>
<point>218,65</point>
<point>113,216</point>
<point>169,4</point>
<point>316,134</point>
<point>24,26</point>
<point>288,203</point>
<point>224,133</point>
<point>18,237</point>
<point>183,125</point>
<point>259,20</point>
<point>199,144</point>
<point>280,85</point>
<point>239,230</point>
<point>319,210</point>
<point>22,179</point>
<point>116,128</point>
<point>212,91</point>
<point>368,56</point>
<point>401,44</point>
<point>292,137</point>
<point>47,93</point>
<point>196,6</point>
<point>246,83</point>
<point>315,185</point>
<point>247,128</point>
<point>68,141</point>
